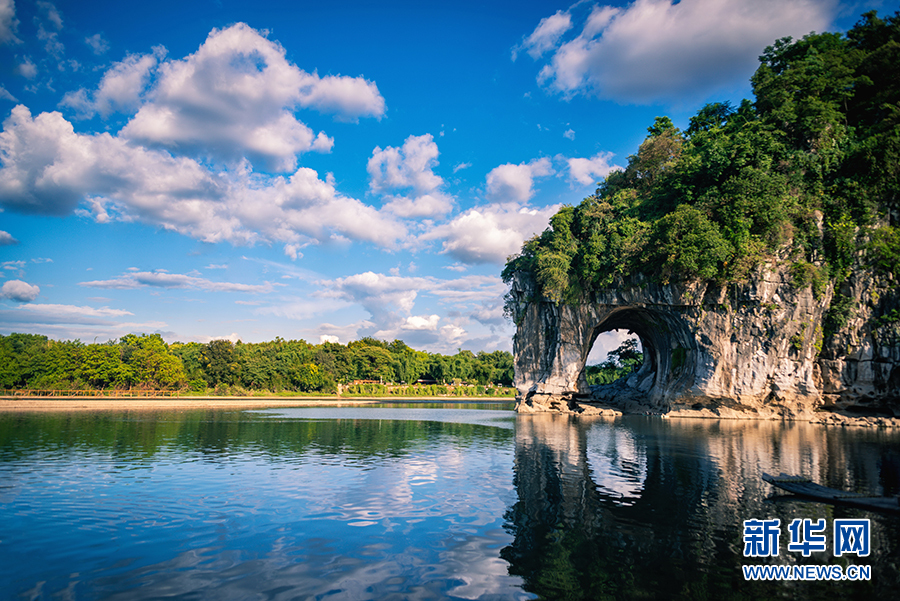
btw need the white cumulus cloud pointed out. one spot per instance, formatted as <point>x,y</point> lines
<point>19,291</point>
<point>120,89</point>
<point>405,176</point>
<point>6,239</point>
<point>47,168</point>
<point>491,233</point>
<point>546,35</point>
<point>381,295</point>
<point>76,322</point>
<point>8,22</point>
<point>663,50</point>
<point>73,311</point>
<point>392,301</point>
<point>27,68</point>
<point>97,43</point>
<point>235,98</point>
<point>347,97</point>
<point>426,205</point>
<point>51,14</point>
<point>399,307</point>
<point>516,182</point>
<point>586,172</point>
<point>421,322</point>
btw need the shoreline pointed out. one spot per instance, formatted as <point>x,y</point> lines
<point>86,403</point>
<point>823,418</point>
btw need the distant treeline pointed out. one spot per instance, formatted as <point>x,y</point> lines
<point>146,361</point>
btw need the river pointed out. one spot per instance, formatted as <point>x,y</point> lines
<point>436,501</point>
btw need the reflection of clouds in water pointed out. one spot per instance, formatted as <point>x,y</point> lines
<point>467,569</point>
<point>481,574</point>
<point>412,526</point>
<point>394,490</point>
<point>617,461</point>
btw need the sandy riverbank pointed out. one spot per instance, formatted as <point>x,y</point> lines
<point>142,404</point>
<point>12,404</point>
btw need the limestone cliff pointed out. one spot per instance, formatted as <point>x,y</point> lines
<point>765,348</point>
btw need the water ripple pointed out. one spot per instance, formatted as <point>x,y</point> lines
<point>272,511</point>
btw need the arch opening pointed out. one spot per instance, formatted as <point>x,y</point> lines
<point>614,355</point>
<point>667,353</point>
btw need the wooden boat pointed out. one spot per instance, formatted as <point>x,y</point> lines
<point>804,487</point>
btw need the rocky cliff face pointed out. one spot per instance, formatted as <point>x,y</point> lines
<point>764,349</point>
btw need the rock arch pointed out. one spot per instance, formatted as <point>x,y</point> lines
<point>747,350</point>
<point>553,342</point>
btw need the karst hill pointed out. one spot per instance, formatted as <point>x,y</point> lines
<point>756,253</point>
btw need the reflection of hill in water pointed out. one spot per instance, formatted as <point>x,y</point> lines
<point>650,508</point>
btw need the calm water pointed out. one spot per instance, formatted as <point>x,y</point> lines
<point>446,502</point>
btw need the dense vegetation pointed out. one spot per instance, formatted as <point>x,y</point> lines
<point>146,361</point>
<point>809,169</point>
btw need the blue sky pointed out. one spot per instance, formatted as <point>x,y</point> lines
<point>327,171</point>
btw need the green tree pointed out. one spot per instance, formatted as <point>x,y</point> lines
<point>438,368</point>
<point>498,367</point>
<point>19,358</point>
<point>885,246</point>
<point>102,367</point>
<point>461,366</point>
<point>372,360</point>
<point>308,378</point>
<point>627,355</point>
<point>190,354</point>
<point>409,364</point>
<point>711,116</point>
<point>152,363</point>
<point>336,360</point>
<point>219,363</point>
<point>686,244</point>
<point>57,366</point>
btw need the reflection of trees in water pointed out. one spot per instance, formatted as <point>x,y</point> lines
<point>213,433</point>
<point>645,508</point>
